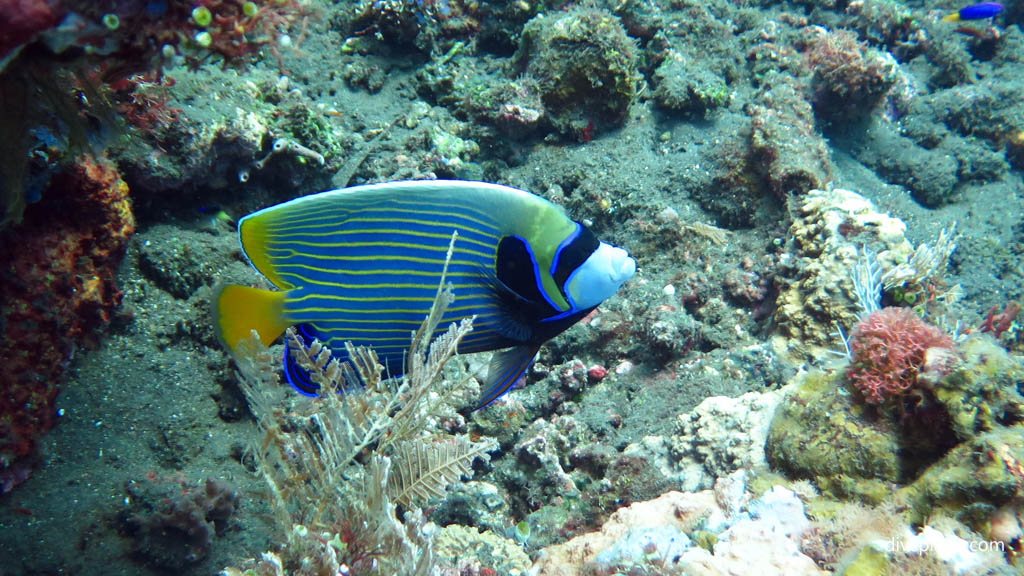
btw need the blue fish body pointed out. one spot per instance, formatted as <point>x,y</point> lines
<point>979,11</point>
<point>363,265</point>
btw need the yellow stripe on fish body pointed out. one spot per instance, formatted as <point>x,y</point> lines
<point>277,240</point>
<point>363,265</point>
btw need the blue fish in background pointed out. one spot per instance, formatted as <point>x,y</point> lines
<point>363,265</point>
<point>978,11</point>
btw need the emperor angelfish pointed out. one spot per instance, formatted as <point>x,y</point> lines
<point>363,265</point>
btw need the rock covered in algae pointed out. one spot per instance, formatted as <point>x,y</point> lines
<point>980,393</point>
<point>986,412</point>
<point>822,432</point>
<point>684,87</point>
<point>585,65</point>
<point>719,436</point>
<point>785,145</point>
<point>711,533</point>
<point>468,550</point>
<point>972,480</point>
<point>956,443</point>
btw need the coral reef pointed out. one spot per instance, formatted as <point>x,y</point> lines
<point>116,70</point>
<point>954,443</point>
<point>58,286</point>
<point>585,66</point>
<point>713,532</point>
<point>829,231</point>
<point>711,131</point>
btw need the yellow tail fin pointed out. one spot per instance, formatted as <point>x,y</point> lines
<point>238,310</point>
<point>954,17</point>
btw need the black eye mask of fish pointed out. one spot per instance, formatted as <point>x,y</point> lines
<point>519,271</point>
<point>363,264</point>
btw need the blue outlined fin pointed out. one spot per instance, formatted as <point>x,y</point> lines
<point>505,369</point>
<point>295,374</point>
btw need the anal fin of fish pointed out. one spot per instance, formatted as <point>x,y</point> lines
<point>297,376</point>
<point>505,369</point>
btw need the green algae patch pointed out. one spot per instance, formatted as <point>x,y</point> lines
<point>869,561</point>
<point>980,393</point>
<point>972,480</point>
<point>821,432</point>
<point>957,443</point>
<point>824,508</point>
<point>761,480</point>
<point>688,89</point>
<point>986,469</point>
<point>867,490</point>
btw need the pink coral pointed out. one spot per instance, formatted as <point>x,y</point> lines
<point>889,349</point>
